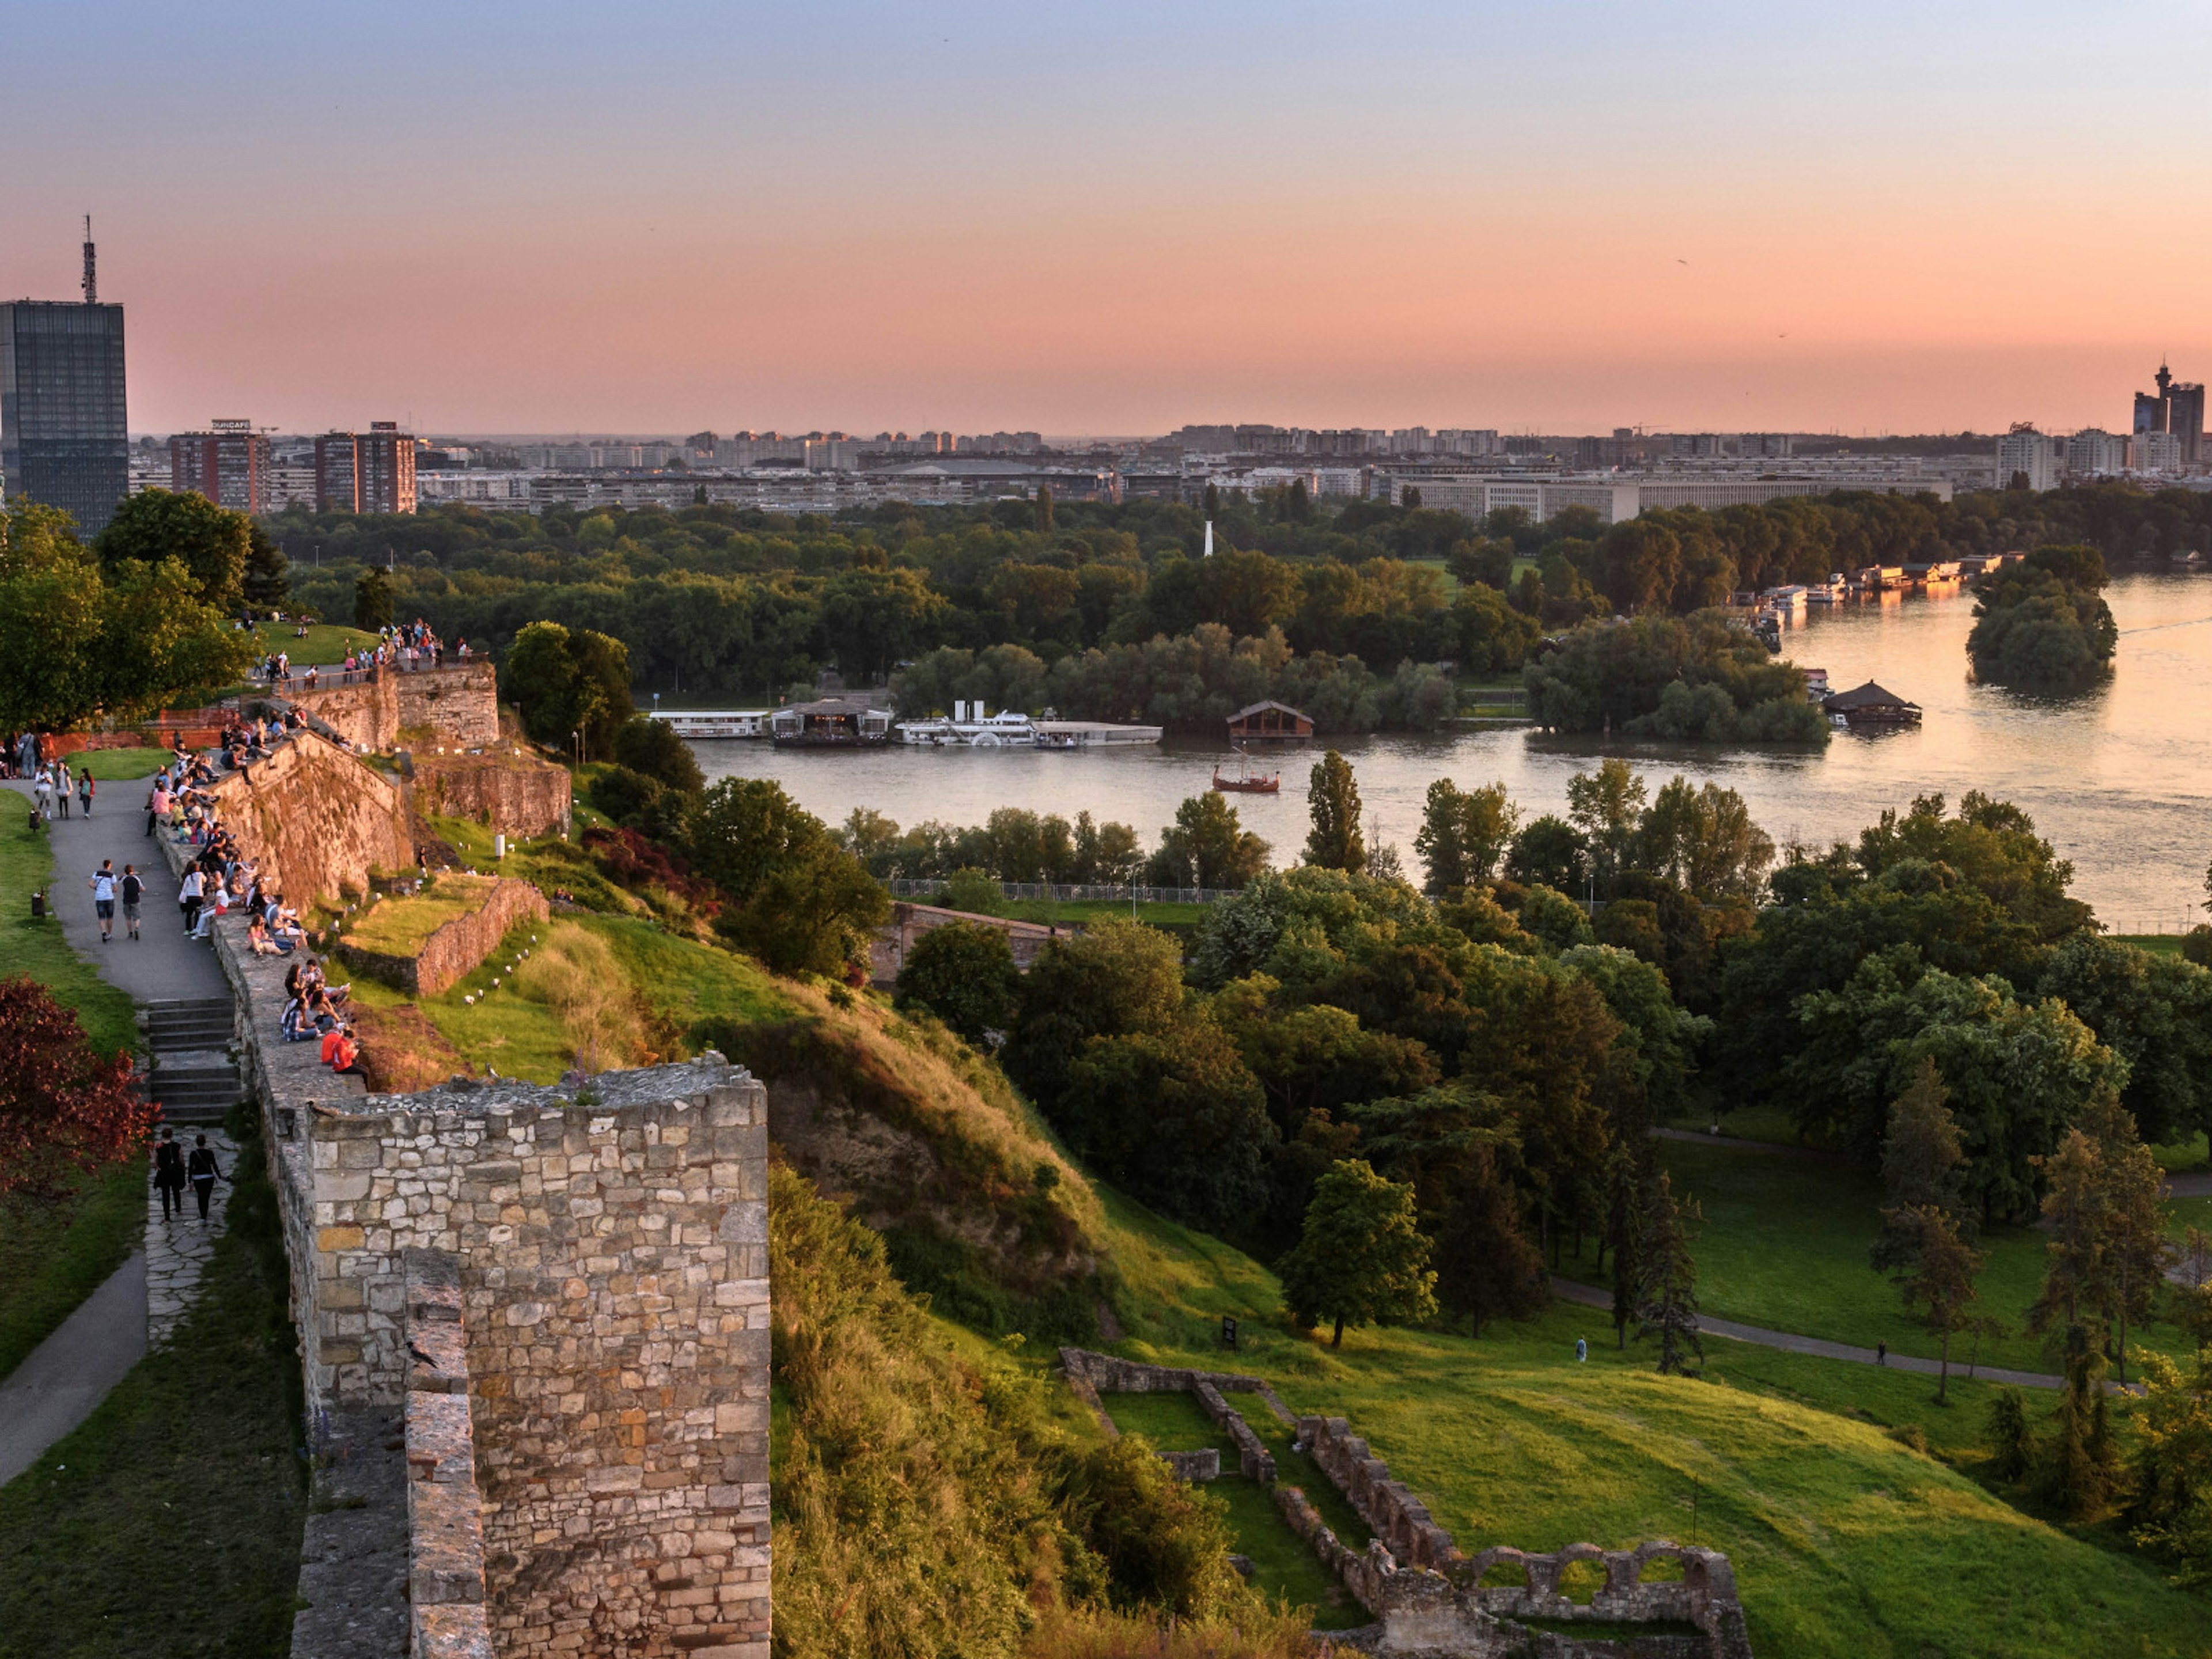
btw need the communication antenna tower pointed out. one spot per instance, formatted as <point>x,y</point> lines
<point>91,280</point>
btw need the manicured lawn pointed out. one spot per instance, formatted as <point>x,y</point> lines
<point>120,766</point>
<point>1844,1543</point>
<point>1783,1245</point>
<point>1081,911</point>
<point>37,948</point>
<point>169,1522</point>
<point>326,642</point>
<point>1283,1563</point>
<point>2164,944</point>
<point>55,1254</point>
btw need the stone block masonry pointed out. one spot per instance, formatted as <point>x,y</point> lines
<point>608,1250</point>
<point>459,705</point>
<point>517,793</point>
<point>316,819</point>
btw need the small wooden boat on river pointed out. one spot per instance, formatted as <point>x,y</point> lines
<point>1246,781</point>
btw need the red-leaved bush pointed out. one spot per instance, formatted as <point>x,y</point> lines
<point>61,1104</point>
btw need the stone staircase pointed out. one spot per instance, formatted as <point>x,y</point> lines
<point>192,1066</point>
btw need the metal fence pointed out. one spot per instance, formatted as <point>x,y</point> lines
<point>1066,892</point>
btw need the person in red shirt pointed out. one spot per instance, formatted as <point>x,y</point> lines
<point>341,1053</point>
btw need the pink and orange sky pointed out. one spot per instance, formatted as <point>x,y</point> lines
<point>1115,219</point>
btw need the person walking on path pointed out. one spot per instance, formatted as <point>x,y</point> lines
<point>201,1167</point>
<point>169,1173</point>
<point>103,899</point>
<point>188,895</point>
<point>84,787</point>
<point>46,793</point>
<point>62,786</point>
<point>130,890</point>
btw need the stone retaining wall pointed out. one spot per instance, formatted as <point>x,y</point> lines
<point>459,704</point>
<point>457,947</point>
<point>516,793</point>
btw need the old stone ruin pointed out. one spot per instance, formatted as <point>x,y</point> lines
<point>1428,1598</point>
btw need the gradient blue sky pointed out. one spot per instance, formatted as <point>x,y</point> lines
<point>492,216</point>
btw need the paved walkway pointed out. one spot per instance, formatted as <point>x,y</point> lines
<point>1592,1297</point>
<point>162,962</point>
<point>70,1372</point>
<point>179,1248</point>
<point>65,1377</point>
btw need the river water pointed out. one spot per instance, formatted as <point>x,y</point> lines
<point>2118,779</point>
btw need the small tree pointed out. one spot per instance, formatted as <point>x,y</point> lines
<point>268,582</point>
<point>964,974</point>
<point>1207,845</point>
<point>1667,1305</point>
<point>1920,1160</point>
<point>2132,1216</point>
<point>2077,1466</point>
<point>1332,798</point>
<point>651,746</point>
<point>1362,1259</point>
<point>63,1105</point>
<point>372,599</point>
<point>1938,1283</point>
<point>1628,1180</point>
<point>2012,1445</point>
<point>1044,509</point>
<point>2171,1510</point>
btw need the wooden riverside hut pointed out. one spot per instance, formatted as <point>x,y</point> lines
<point>1269,720</point>
<point>1873,705</point>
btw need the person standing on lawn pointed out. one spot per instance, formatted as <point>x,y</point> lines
<point>103,899</point>
<point>130,890</point>
<point>200,1167</point>
<point>169,1173</point>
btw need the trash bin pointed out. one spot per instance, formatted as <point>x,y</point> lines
<point>38,907</point>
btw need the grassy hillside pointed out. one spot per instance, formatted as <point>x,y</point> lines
<point>1845,1542</point>
<point>929,1145</point>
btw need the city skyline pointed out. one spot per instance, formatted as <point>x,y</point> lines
<point>1567,222</point>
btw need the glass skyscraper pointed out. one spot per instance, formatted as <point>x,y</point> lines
<point>63,438</point>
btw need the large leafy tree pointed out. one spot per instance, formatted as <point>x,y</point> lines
<point>1207,846</point>
<point>796,898</point>
<point>565,681</point>
<point>1362,1259</point>
<point>1117,977</point>
<point>75,640</point>
<point>266,582</point>
<point>212,543</point>
<point>1464,834</point>
<point>963,972</point>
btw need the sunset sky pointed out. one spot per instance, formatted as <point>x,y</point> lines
<point>492,216</point>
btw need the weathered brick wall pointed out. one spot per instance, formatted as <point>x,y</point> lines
<point>459,704</point>
<point>520,794</point>
<point>316,818</point>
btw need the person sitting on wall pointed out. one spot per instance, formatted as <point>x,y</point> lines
<point>257,937</point>
<point>294,1024</point>
<point>341,1053</point>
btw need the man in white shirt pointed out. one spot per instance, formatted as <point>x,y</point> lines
<point>103,899</point>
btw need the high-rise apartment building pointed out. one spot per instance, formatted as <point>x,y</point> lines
<point>371,471</point>
<point>229,463</point>
<point>2094,452</point>
<point>64,436</point>
<point>2025,454</point>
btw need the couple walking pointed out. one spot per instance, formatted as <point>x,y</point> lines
<point>107,887</point>
<point>175,1169</point>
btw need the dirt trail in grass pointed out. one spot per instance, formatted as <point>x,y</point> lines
<point>1591,1296</point>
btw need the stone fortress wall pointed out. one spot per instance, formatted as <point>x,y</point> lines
<point>459,705</point>
<point>608,1244</point>
<point>317,818</point>
<point>1427,1596</point>
<point>456,949</point>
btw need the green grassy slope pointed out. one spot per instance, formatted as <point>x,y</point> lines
<point>1846,1543</point>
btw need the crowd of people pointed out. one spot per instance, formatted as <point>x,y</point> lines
<point>52,782</point>
<point>406,648</point>
<point>221,879</point>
